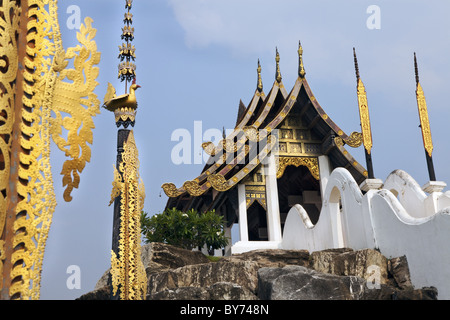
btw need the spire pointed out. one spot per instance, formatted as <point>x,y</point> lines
<point>356,65</point>
<point>127,68</point>
<point>424,123</point>
<point>366,130</point>
<point>278,73</point>
<point>260,84</point>
<point>416,69</point>
<point>301,69</point>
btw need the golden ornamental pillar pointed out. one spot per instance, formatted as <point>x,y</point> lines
<point>41,97</point>
<point>128,280</point>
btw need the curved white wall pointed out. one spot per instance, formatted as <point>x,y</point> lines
<point>408,225</point>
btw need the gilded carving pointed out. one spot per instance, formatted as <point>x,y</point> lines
<point>364,116</point>
<point>193,188</point>
<point>311,163</point>
<point>218,182</point>
<point>354,140</point>
<point>424,121</point>
<point>127,269</point>
<point>50,97</point>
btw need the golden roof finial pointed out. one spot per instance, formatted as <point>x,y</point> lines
<point>260,84</point>
<point>278,73</point>
<point>301,69</point>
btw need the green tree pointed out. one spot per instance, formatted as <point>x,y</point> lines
<point>185,229</point>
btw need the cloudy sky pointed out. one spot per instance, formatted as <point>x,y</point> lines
<point>197,58</point>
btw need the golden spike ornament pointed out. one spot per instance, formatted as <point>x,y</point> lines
<point>40,97</point>
<point>260,83</point>
<point>127,270</point>
<point>278,72</point>
<point>363,110</point>
<point>301,68</point>
<point>366,130</point>
<point>423,113</point>
<point>424,123</point>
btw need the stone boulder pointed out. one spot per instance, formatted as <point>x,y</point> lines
<point>158,257</point>
<point>273,257</point>
<point>343,274</point>
<point>241,273</point>
<point>346,262</point>
<point>300,283</point>
<point>216,291</point>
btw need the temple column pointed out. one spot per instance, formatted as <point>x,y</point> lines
<point>243,225</point>
<point>324,173</point>
<point>273,208</point>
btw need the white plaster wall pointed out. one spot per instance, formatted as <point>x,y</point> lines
<point>379,220</point>
<point>408,192</point>
<point>424,241</point>
<point>334,229</point>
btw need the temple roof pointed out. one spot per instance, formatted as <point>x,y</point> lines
<point>253,138</point>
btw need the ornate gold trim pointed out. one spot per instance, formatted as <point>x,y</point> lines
<point>424,121</point>
<point>171,190</point>
<point>127,269</point>
<point>354,140</point>
<point>311,163</point>
<point>364,116</point>
<point>50,97</point>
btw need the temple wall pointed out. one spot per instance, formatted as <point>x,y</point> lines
<point>399,220</point>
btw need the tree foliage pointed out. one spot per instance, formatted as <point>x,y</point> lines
<point>187,230</point>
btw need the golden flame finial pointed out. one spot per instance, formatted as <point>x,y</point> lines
<point>301,69</point>
<point>260,84</point>
<point>278,73</point>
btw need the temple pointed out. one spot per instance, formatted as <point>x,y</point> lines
<point>281,153</point>
<point>285,176</point>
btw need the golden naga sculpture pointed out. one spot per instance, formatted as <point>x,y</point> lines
<point>40,96</point>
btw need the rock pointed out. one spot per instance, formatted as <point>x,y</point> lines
<point>273,257</point>
<point>217,291</point>
<point>242,273</point>
<point>399,269</point>
<point>338,274</point>
<point>365,263</point>
<point>102,293</point>
<point>426,293</point>
<point>300,283</point>
<point>159,257</point>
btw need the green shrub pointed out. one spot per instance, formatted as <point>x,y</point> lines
<point>185,229</point>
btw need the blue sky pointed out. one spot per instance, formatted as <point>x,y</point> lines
<point>197,58</point>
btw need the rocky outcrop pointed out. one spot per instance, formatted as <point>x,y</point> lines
<point>335,274</point>
<point>300,283</point>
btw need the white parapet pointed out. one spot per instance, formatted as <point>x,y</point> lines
<point>399,219</point>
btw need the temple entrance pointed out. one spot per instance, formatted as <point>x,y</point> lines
<point>298,186</point>
<point>257,222</point>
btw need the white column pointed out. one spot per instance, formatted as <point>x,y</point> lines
<point>243,227</point>
<point>324,172</point>
<point>273,208</point>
